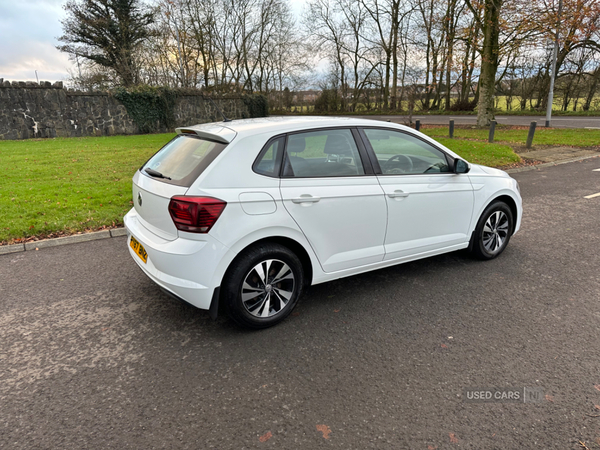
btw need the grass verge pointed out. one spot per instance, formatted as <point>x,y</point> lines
<point>62,186</point>
<point>493,155</point>
<point>66,185</point>
<point>572,137</point>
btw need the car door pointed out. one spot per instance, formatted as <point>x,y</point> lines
<point>334,197</point>
<point>429,207</point>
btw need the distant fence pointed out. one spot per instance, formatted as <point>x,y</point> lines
<point>46,110</point>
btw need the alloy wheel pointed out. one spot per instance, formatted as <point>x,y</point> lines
<point>267,288</point>
<point>495,232</point>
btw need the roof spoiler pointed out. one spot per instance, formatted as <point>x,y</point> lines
<point>214,133</point>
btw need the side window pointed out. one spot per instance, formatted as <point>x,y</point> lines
<point>327,153</point>
<point>401,153</point>
<point>269,159</point>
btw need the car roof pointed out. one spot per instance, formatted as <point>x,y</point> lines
<point>227,131</point>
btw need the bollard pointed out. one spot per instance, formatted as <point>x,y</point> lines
<point>417,125</point>
<point>451,133</point>
<point>530,135</point>
<point>492,131</point>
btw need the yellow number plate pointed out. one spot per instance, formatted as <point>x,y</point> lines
<point>138,249</point>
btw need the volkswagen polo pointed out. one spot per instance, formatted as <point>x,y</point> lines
<point>247,213</point>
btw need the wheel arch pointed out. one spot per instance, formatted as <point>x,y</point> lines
<point>504,195</point>
<point>292,239</point>
<point>297,248</point>
<point>511,204</point>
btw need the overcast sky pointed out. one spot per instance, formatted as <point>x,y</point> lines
<point>28,32</point>
<point>28,37</point>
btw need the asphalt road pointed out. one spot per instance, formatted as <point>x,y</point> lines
<point>92,355</point>
<point>556,122</point>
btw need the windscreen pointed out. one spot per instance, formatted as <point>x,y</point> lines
<point>182,160</point>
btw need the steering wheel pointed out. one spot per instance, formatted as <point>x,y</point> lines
<point>437,165</point>
<point>406,161</point>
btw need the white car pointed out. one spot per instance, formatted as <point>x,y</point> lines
<point>247,213</point>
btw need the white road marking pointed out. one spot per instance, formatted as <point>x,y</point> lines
<point>592,128</point>
<point>595,170</point>
<point>593,195</point>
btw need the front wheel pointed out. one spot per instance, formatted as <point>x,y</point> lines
<point>262,286</point>
<point>493,231</point>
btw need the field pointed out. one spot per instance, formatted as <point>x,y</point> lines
<point>501,108</point>
<point>62,186</point>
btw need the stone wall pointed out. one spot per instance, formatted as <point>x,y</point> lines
<point>46,110</point>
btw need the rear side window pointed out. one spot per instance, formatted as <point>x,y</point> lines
<point>183,159</point>
<point>269,159</point>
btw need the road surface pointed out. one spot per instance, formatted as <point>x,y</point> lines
<point>93,355</point>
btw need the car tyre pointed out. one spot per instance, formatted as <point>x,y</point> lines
<point>262,285</point>
<point>493,231</point>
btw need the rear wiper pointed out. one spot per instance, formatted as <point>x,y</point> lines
<point>156,174</point>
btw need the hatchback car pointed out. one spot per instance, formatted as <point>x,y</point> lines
<point>248,213</point>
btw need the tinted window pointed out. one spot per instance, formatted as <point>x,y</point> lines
<point>183,159</point>
<point>268,162</point>
<point>402,153</point>
<point>328,153</point>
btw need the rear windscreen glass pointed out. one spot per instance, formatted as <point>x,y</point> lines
<point>182,160</point>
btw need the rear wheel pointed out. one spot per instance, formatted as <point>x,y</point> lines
<point>262,286</point>
<point>493,231</point>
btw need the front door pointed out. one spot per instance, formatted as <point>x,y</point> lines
<point>429,207</point>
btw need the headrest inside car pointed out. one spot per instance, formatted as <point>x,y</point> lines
<point>337,144</point>
<point>296,144</point>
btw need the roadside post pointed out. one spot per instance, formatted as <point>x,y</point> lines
<point>492,131</point>
<point>530,135</point>
<point>417,124</point>
<point>451,131</point>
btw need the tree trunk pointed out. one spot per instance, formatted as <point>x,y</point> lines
<point>489,62</point>
<point>394,95</point>
<point>592,91</point>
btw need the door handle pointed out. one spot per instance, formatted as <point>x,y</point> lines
<point>398,193</point>
<point>306,198</point>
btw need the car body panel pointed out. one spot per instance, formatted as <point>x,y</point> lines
<point>151,199</point>
<point>490,184</point>
<point>436,212</point>
<point>173,264</point>
<point>344,218</point>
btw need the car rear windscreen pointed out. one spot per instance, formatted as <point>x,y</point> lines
<point>182,160</point>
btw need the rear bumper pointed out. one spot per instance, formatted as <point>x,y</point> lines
<point>183,267</point>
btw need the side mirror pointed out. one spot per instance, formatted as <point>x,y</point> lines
<point>461,166</point>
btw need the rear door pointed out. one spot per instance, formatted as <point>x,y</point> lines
<point>429,207</point>
<point>334,197</point>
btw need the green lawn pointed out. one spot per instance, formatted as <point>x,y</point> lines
<point>67,185</point>
<point>543,136</point>
<point>493,155</point>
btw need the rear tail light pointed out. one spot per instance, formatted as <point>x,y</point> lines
<point>195,214</point>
